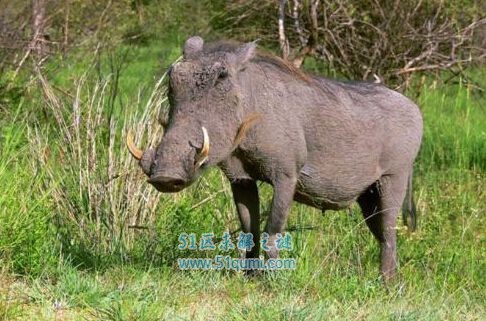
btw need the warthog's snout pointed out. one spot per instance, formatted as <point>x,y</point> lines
<point>168,179</point>
<point>167,184</point>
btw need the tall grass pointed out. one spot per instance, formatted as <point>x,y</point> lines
<point>24,217</point>
<point>99,198</point>
<point>454,134</point>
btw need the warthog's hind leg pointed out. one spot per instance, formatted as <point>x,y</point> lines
<point>380,205</point>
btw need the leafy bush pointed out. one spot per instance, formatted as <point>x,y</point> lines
<point>11,90</point>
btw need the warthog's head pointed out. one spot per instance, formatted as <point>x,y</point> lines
<point>207,118</point>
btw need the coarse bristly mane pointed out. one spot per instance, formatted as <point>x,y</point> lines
<point>261,57</point>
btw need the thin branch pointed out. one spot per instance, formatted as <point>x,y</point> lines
<point>284,44</point>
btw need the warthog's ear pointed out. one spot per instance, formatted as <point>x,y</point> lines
<point>244,54</point>
<point>192,46</point>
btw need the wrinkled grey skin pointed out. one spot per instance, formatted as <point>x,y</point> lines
<point>320,142</point>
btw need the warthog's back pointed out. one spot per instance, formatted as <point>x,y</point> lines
<point>353,133</point>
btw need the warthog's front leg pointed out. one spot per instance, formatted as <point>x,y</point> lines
<point>283,194</point>
<point>245,194</point>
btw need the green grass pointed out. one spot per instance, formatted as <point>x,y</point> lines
<point>54,267</point>
<point>25,231</point>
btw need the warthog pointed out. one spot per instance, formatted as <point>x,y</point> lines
<point>320,142</point>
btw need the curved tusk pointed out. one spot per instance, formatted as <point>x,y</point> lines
<point>136,153</point>
<point>203,154</point>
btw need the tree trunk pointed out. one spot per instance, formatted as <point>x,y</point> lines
<point>38,44</point>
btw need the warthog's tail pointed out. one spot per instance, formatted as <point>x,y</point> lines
<point>409,212</point>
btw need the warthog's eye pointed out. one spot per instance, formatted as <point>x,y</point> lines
<point>223,73</point>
